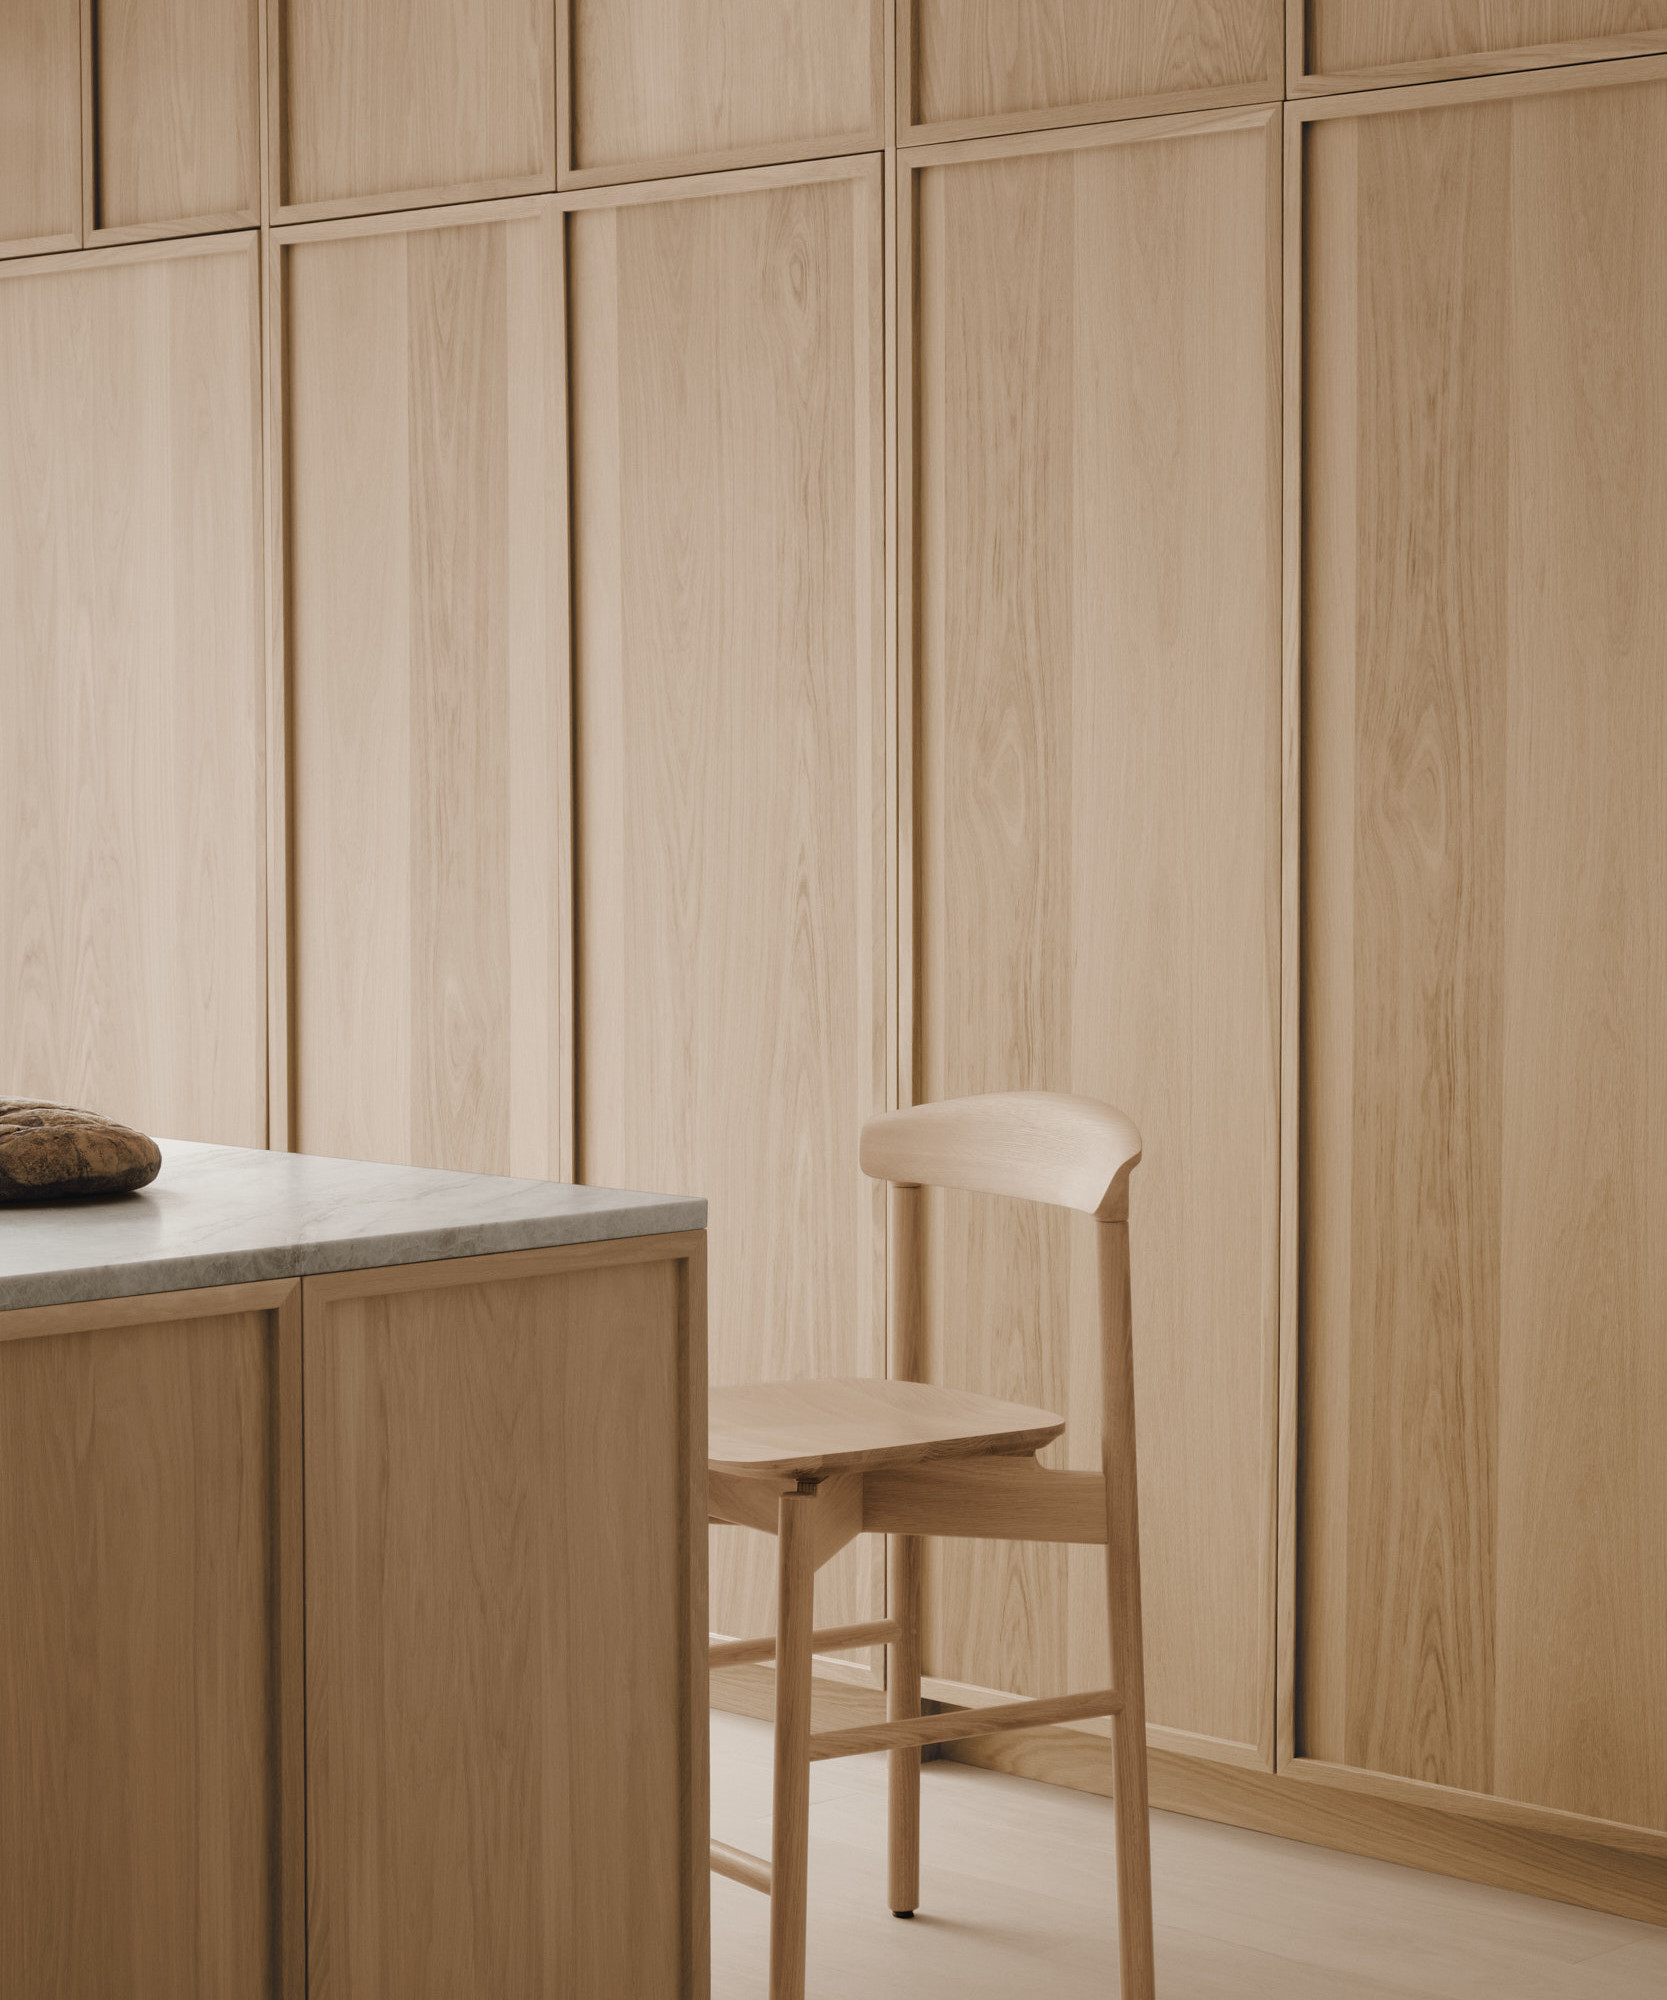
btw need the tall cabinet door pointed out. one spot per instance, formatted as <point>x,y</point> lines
<point>1091,486</point>
<point>425,524</point>
<point>132,855</point>
<point>729,680</point>
<point>1483,1525</point>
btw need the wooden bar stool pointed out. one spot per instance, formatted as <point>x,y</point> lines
<point>817,1463</point>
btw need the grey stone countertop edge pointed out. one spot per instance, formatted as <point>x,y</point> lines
<point>365,1253</point>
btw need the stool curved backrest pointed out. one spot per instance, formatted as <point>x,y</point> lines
<point>1038,1145</point>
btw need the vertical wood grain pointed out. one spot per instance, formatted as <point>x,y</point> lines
<point>1580,1667</point>
<point>426,538</point>
<point>131,834</point>
<point>174,95</point>
<point>391,103</point>
<point>497,1604</point>
<point>139,1815</point>
<point>1485,980</point>
<point>1343,39</point>
<point>40,126</point>
<point>1093,407</point>
<point>657,86</point>
<point>973,66</point>
<point>729,681</point>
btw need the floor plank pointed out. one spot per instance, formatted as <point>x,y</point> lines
<point>1017,1887</point>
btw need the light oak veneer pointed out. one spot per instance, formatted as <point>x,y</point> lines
<point>1092,639</point>
<point>1483,1525</point>
<point>132,921</point>
<point>729,681</point>
<point>422,414</point>
<point>40,126</point>
<point>661,87</point>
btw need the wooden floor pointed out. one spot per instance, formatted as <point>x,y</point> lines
<point>1016,1887</point>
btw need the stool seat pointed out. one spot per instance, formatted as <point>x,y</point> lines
<point>853,1425</point>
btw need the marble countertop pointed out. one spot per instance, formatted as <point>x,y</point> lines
<point>226,1215</point>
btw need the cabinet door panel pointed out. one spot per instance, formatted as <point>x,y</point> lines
<point>393,103</point>
<point>146,1838</point>
<point>502,1786</point>
<point>40,126</point>
<point>976,66</point>
<point>1092,374</point>
<point>663,86</point>
<point>132,850</point>
<point>1484,1499</point>
<point>425,538</point>
<point>174,96</point>
<point>729,684</point>
<point>1432,38</point>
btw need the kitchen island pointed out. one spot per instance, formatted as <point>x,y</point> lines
<point>352,1552</point>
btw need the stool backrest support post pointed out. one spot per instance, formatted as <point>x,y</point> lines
<point>1034,1145</point>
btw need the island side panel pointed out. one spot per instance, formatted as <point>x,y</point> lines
<point>504,1727</point>
<point>149,1844</point>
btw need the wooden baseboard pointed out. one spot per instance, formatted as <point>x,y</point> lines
<point>1324,1815</point>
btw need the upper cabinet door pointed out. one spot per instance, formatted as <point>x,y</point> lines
<point>424,514</point>
<point>131,683</point>
<point>40,126</point>
<point>729,680</point>
<point>381,104</point>
<point>1483,1527</point>
<point>967,67</point>
<point>174,99</point>
<point>658,87</point>
<point>1090,545</point>
<point>1343,45</point>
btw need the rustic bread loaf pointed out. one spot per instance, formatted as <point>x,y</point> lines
<point>51,1152</point>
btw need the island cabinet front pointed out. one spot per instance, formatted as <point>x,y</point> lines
<point>354,1635</point>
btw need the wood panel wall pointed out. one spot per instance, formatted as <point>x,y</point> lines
<point>729,682</point>
<point>132,912</point>
<point>629,846</point>
<point>1094,544</point>
<point>423,418</point>
<point>1484,1527</point>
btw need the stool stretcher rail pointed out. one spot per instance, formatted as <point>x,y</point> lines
<point>957,1724</point>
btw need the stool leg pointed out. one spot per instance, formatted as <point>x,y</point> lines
<point>1128,1675</point>
<point>790,1827</point>
<point>902,1704</point>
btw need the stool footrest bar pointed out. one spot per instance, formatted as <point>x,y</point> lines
<point>963,1722</point>
<point>743,1652</point>
<point>740,1866</point>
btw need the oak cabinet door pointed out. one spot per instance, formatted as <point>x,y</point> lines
<point>132,849</point>
<point>505,1629</point>
<point>1090,548</point>
<point>40,126</point>
<point>967,67</point>
<point>1484,1139</point>
<point>396,103</point>
<point>668,86</point>
<point>150,1696</point>
<point>729,683</point>
<point>178,128</point>
<point>1342,45</point>
<point>424,552</point>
